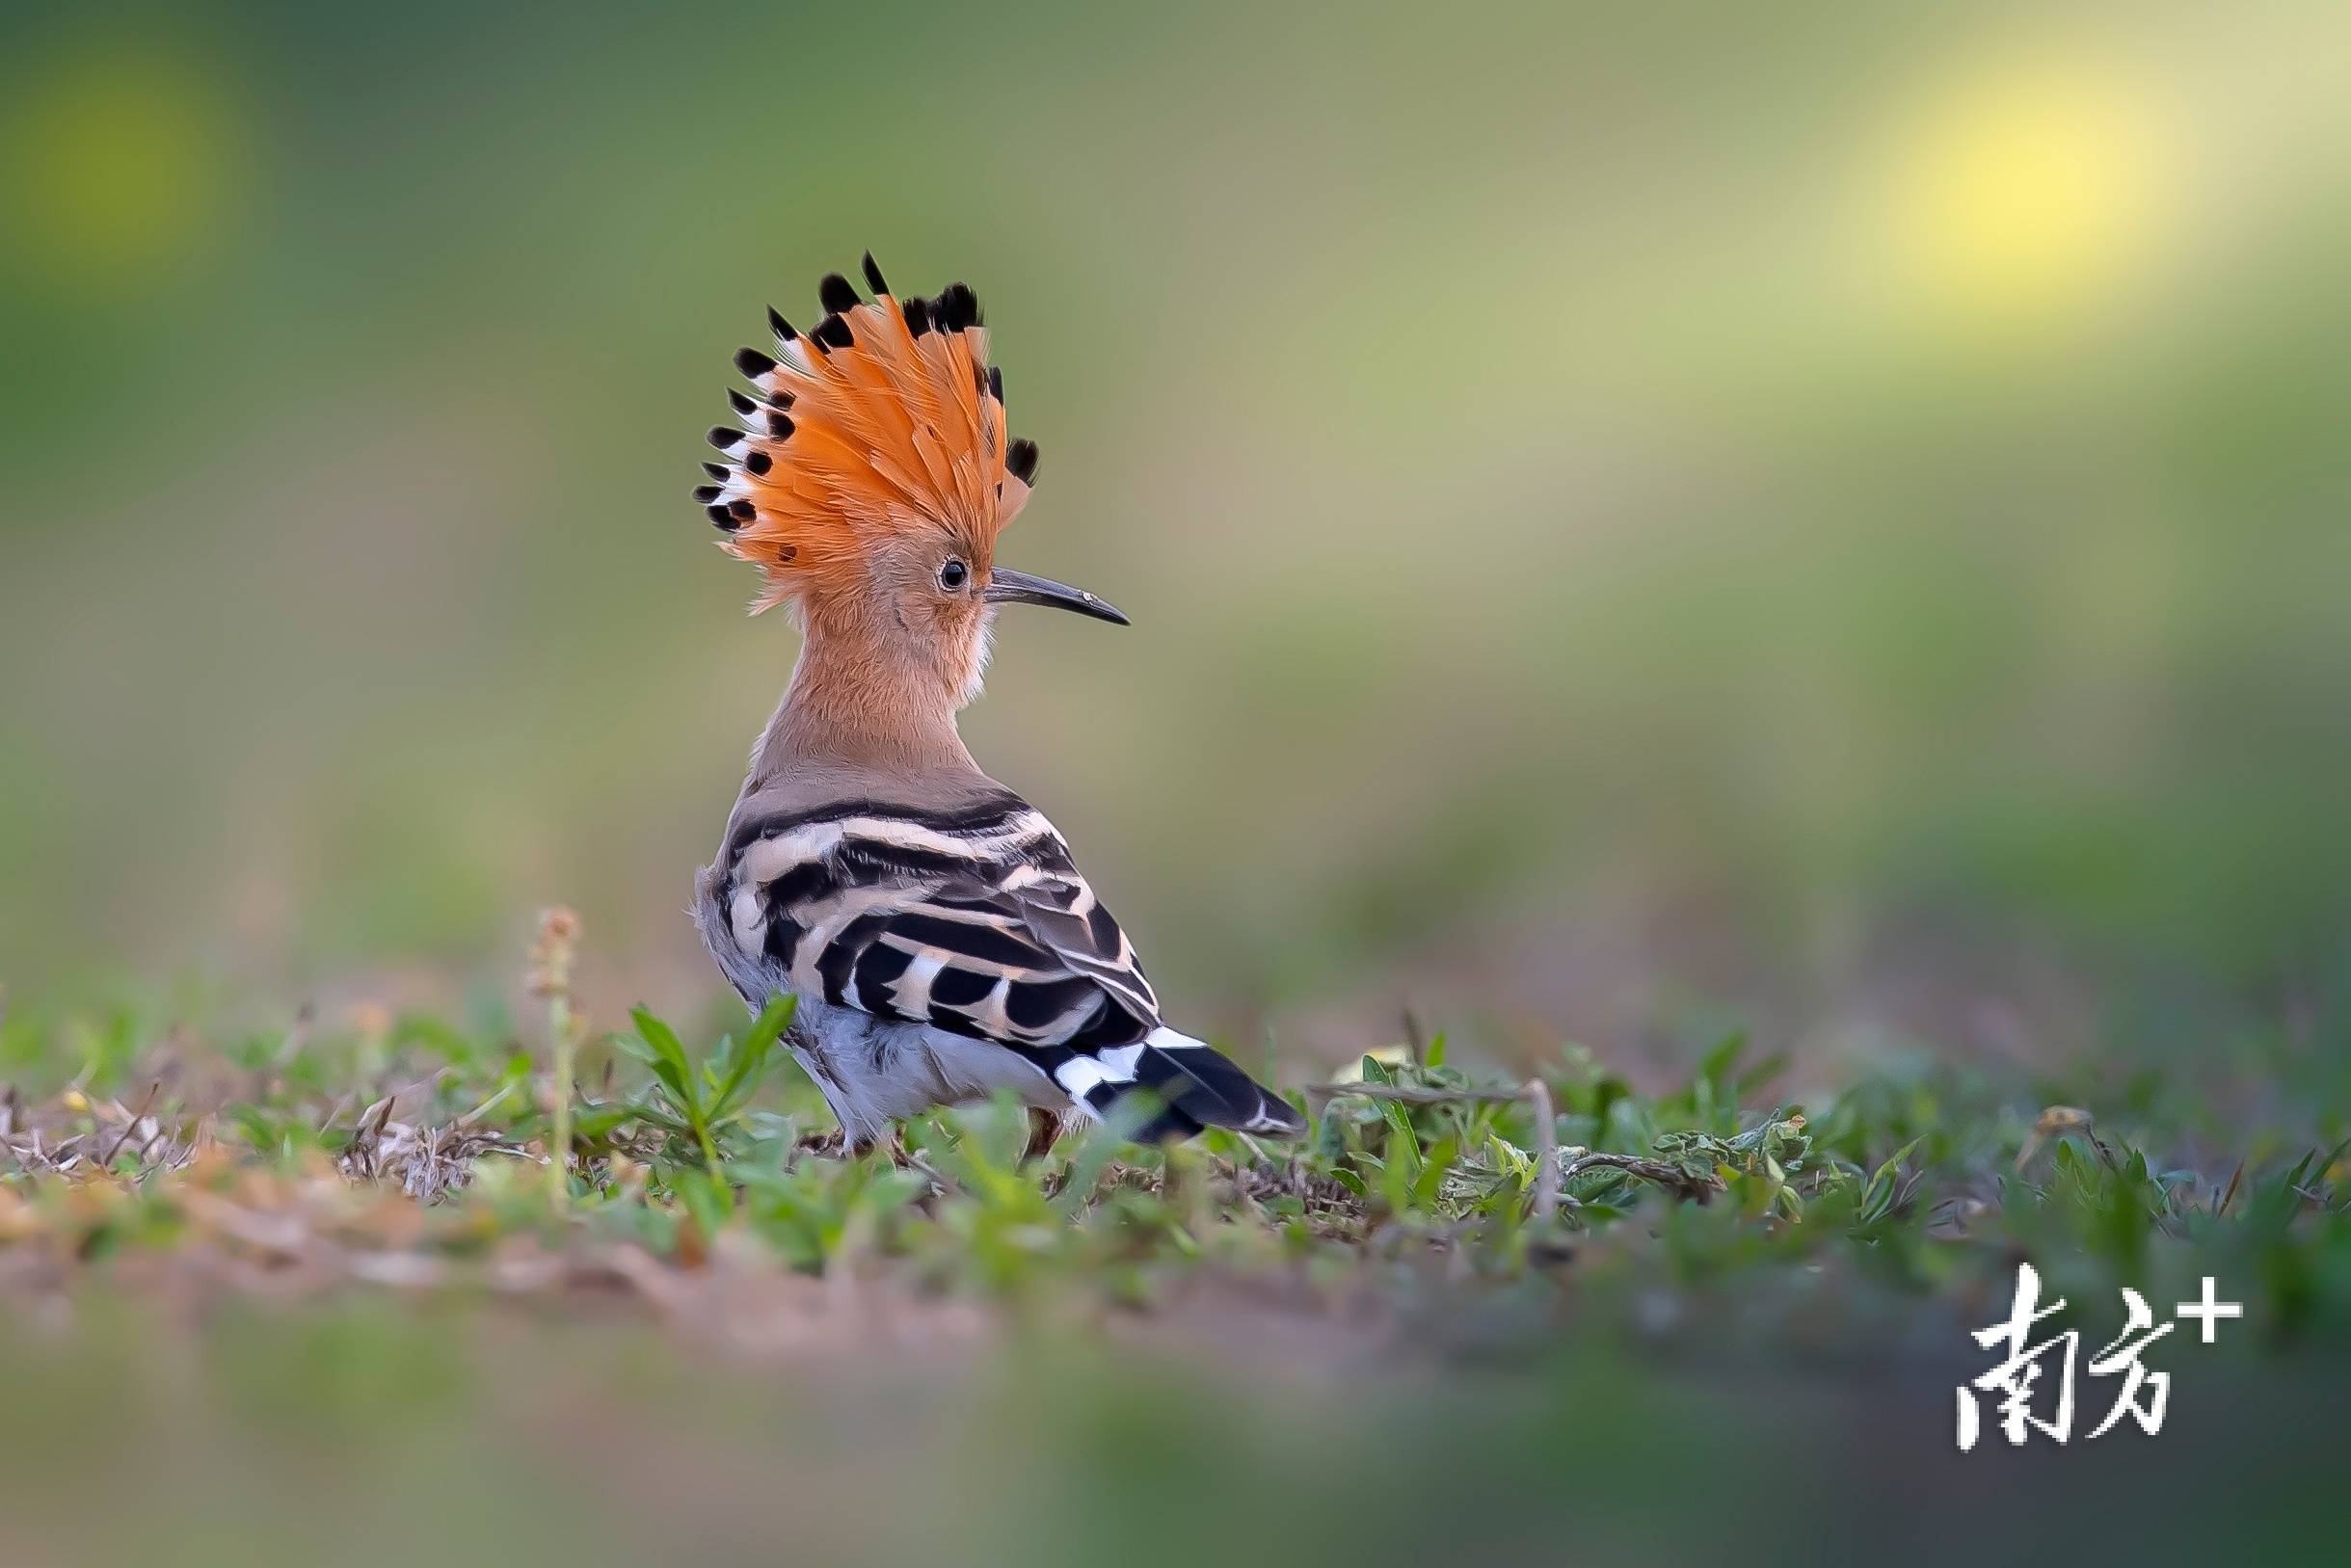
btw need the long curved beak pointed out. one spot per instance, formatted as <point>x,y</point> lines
<point>1007,587</point>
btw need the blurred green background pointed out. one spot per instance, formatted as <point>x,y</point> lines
<point>1831,515</point>
<point>397,1434</point>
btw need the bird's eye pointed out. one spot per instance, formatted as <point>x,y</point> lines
<point>953,575</point>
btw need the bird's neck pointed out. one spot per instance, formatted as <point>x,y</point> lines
<point>863,699</point>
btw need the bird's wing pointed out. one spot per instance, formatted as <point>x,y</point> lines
<point>972,921</point>
<point>976,921</point>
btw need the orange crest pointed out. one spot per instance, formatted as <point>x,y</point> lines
<point>884,421</point>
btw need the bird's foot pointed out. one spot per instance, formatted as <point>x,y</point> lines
<point>829,1145</point>
<point>893,1149</point>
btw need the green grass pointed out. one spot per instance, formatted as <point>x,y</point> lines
<point>1417,1178</point>
<point>338,1266</point>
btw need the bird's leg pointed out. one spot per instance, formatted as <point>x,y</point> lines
<point>1044,1127</point>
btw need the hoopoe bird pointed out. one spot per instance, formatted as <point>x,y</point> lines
<point>939,940</point>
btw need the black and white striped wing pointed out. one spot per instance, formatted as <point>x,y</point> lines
<point>974,922</point>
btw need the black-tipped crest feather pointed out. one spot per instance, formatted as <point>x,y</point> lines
<point>837,294</point>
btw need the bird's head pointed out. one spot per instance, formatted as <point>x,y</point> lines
<point>870,476</point>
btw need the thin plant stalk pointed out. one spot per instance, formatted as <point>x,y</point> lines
<point>551,978</point>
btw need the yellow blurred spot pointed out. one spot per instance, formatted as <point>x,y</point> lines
<point>117,166</point>
<point>2030,187</point>
<point>1387,1055</point>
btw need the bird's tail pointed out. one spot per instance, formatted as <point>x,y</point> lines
<point>1192,1086</point>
